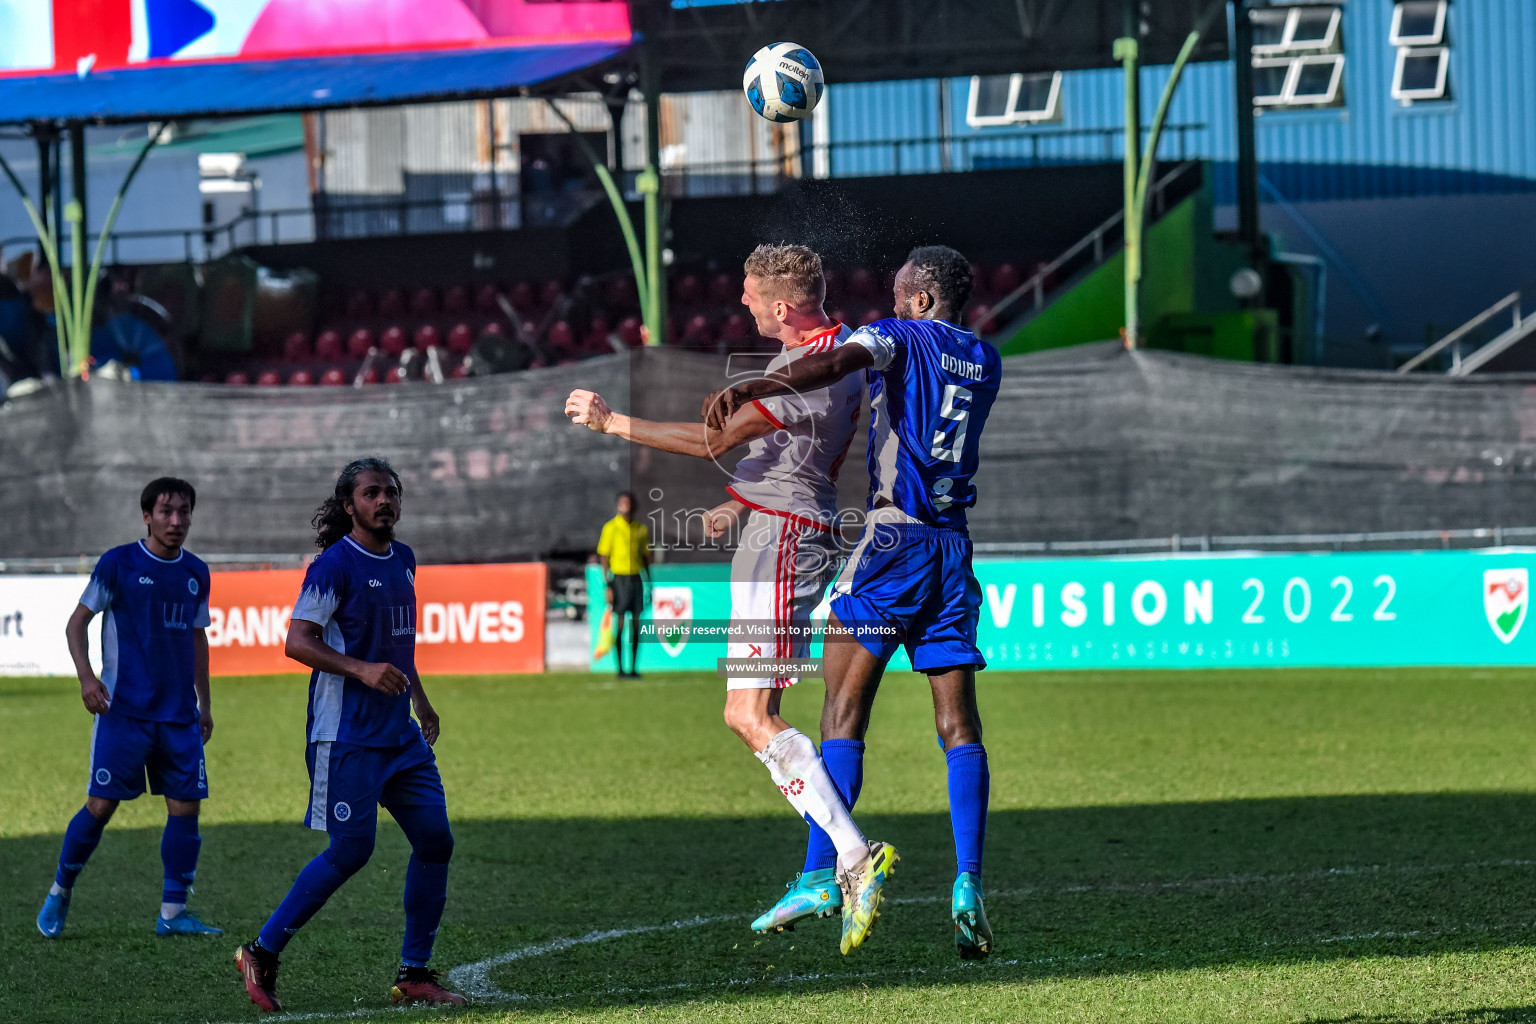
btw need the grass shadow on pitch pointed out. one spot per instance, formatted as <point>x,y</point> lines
<point>1073,892</point>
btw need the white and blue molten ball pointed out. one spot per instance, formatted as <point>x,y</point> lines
<point>783,82</point>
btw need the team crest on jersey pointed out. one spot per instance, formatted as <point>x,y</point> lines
<point>192,586</point>
<point>103,776</point>
<point>1506,596</point>
<point>671,612</point>
<point>342,811</point>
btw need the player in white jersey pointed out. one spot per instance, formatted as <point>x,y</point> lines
<point>785,489</point>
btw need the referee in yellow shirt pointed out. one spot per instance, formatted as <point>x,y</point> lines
<point>624,549</point>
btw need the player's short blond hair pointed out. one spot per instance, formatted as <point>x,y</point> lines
<point>789,273</point>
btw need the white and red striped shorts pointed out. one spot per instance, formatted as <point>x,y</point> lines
<point>778,576</point>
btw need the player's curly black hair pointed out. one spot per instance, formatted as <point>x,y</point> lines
<point>332,521</point>
<point>943,273</point>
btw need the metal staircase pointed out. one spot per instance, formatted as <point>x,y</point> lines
<point>1461,365</point>
<point>1022,304</point>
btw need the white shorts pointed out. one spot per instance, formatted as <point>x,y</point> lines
<point>778,575</point>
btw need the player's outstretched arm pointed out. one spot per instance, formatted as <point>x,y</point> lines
<point>809,373</point>
<point>92,693</point>
<point>698,440</point>
<point>307,646</point>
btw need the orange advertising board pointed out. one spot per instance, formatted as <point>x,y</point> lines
<point>470,620</point>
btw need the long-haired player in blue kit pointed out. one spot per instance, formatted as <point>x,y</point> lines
<point>151,701</point>
<point>355,625</point>
<point>909,580</point>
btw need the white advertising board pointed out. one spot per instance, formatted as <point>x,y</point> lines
<point>33,613</point>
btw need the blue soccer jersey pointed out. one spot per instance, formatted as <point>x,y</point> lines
<point>366,606</point>
<point>930,390</point>
<point>151,606</point>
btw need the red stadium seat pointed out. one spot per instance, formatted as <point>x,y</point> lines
<point>359,305</point>
<point>698,333</point>
<point>871,315</point>
<point>620,293</point>
<point>328,347</point>
<point>268,379</point>
<point>551,293</point>
<point>735,328</point>
<point>392,303</point>
<point>296,348</point>
<point>334,377</point>
<point>461,339</point>
<point>523,298</point>
<point>491,328</point>
<point>392,342</point>
<point>237,379</point>
<point>301,379</point>
<point>596,339</point>
<point>561,338</point>
<point>724,290</point>
<point>980,319</point>
<point>371,375</point>
<point>427,336</point>
<point>359,342</point>
<point>456,300</point>
<point>629,331</point>
<point>424,302</point>
<point>485,300</point>
<point>395,375</point>
<point>688,291</point>
<point>460,370</point>
<point>1005,279</point>
<point>861,284</point>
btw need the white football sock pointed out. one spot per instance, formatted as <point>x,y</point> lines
<point>55,889</point>
<point>170,910</point>
<point>792,759</point>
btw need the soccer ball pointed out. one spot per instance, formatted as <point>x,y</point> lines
<point>783,82</point>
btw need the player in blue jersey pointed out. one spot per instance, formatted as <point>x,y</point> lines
<point>354,624</point>
<point>909,580</point>
<point>151,701</point>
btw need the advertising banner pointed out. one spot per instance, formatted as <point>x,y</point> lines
<point>1188,611</point>
<point>470,620</point>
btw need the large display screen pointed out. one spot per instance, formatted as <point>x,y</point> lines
<point>83,36</point>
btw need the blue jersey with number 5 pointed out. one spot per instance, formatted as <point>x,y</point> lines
<point>930,390</point>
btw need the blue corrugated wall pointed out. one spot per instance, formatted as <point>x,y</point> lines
<point>1481,140</point>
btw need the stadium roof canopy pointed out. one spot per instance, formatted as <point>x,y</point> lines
<point>704,44</point>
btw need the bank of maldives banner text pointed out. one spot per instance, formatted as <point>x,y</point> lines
<point>472,619</point>
<point>1368,608</point>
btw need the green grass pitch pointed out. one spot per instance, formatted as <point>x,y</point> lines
<point>1197,846</point>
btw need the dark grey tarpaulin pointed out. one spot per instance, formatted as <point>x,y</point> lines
<point>1090,443</point>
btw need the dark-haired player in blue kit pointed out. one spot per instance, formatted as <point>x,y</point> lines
<point>909,580</point>
<point>355,625</point>
<point>151,702</point>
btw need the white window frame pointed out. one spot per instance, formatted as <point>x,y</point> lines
<point>1011,114</point>
<point>1411,95</point>
<point>1287,43</point>
<point>1435,38</point>
<point>1287,97</point>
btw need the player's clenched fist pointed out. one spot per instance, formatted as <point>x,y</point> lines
<point>719,407</point>
<point>588,409</point>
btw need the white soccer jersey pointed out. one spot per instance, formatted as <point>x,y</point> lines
<point>793,471</point>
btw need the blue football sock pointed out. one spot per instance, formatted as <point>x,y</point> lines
<point>426,893</point>
<point>426,878</point>
<point>845,764</point>
<point>970,782</point>
<point>320,878</point>
<point>80,840</point>
<point>179,846</point>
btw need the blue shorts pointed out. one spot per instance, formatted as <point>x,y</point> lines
<point>124,750</point>
<point>909,584</point>
<point>347,783</point>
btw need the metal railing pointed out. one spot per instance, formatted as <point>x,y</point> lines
<point>1064,268</point>
<point>1386,540</point>
<point>1454,341</point>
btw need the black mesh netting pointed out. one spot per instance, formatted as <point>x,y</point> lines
<point>1090,443</point>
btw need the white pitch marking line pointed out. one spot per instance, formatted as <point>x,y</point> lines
<point>473,979</point>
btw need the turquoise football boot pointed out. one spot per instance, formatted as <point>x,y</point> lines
<point>973,935</point>
<point>50,920</point>
<point>184,923</point>
<point>811,894</point>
